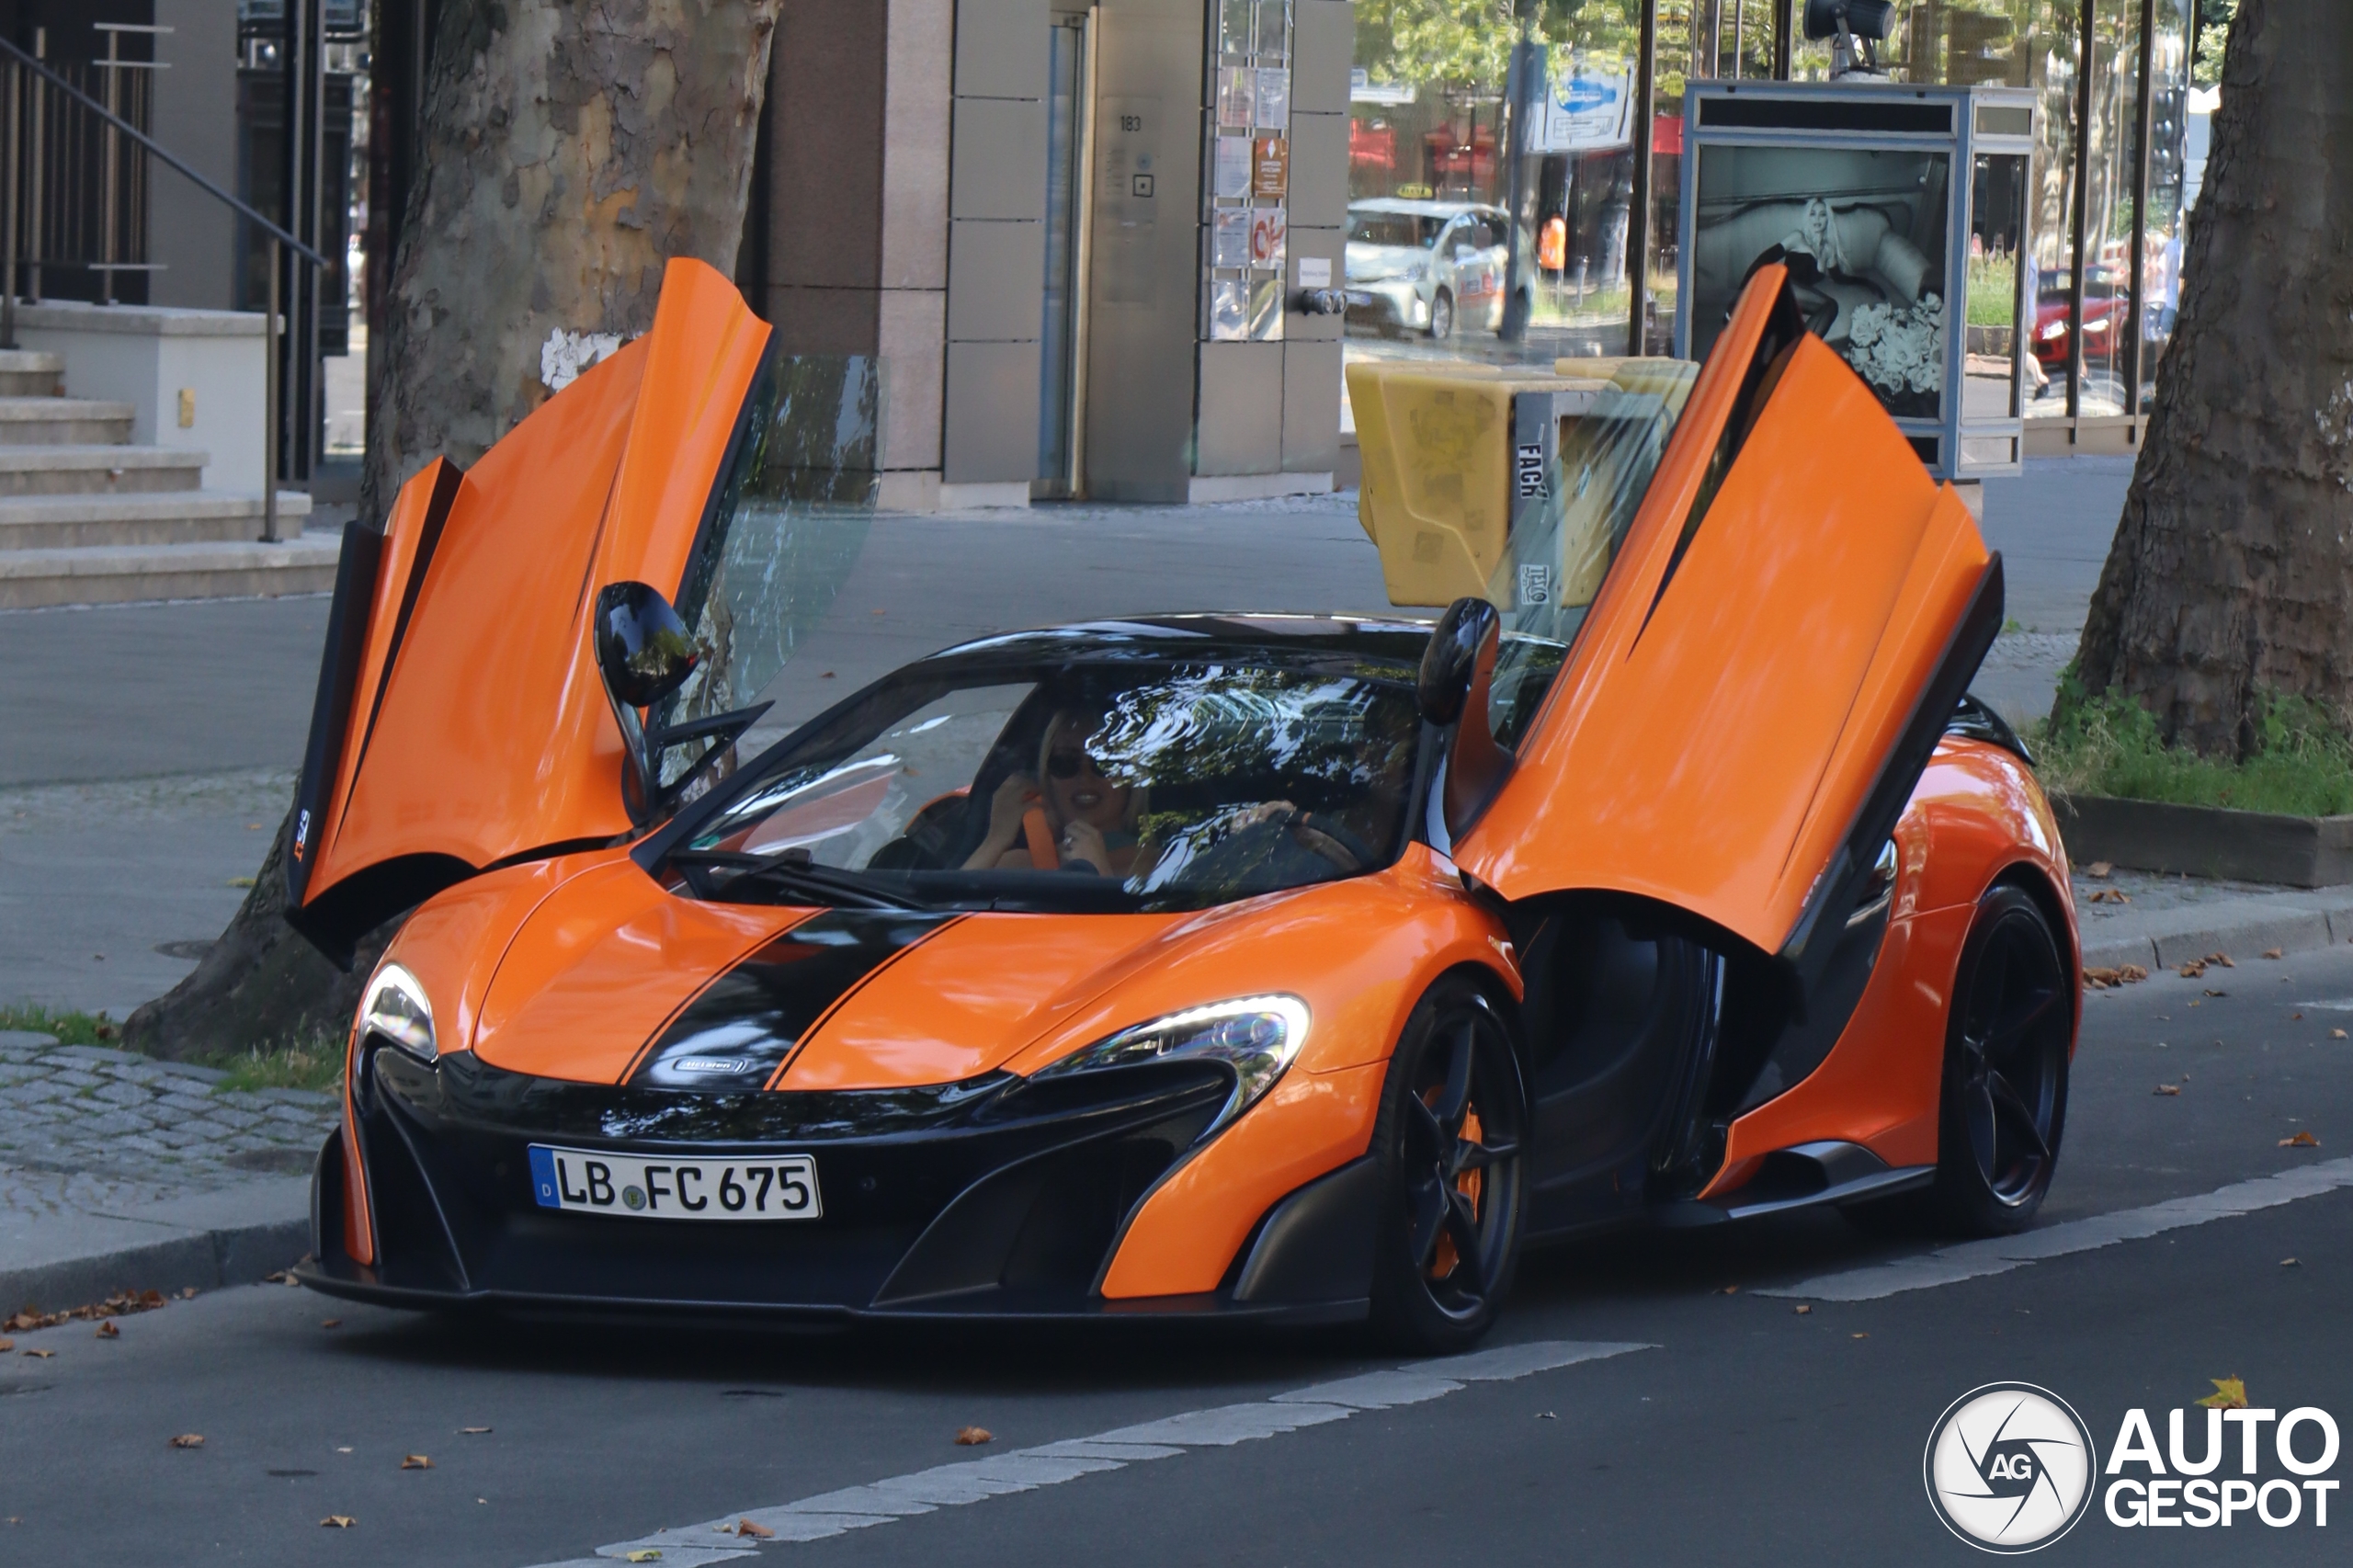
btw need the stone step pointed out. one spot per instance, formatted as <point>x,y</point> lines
<point>25,372</point>
<point>124,573</point>
<point>98,471</point>
<point>63,421</point>
<point>171,517</point>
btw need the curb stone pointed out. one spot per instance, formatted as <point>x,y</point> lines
<point>2299,921</point>
<point>208,1240</point>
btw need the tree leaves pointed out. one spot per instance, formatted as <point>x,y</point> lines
<point>2229,1393</point>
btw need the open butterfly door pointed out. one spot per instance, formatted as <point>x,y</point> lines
<point>462,722</point>
<point>1792,613</point>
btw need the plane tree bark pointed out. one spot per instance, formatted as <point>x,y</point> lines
<point>568,152</point>
<point>2231,575</point>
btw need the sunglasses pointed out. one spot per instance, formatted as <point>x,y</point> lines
<point>1067,764</point>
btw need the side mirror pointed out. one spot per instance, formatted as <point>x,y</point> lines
<point>1452,690</point>
<point>644,650</point>
<point>1451,660</point>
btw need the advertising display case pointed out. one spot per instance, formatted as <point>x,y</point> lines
<point>1901,212</point>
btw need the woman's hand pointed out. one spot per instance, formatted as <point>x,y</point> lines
<point>1012,798</point>
<point>1082,844</point>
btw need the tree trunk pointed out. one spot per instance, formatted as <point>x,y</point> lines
<point>569,152</point>
<point>2231,576</point>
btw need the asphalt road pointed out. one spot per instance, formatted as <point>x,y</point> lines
<point>1746,1432</point>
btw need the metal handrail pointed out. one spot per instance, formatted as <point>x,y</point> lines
<point>277,236</point>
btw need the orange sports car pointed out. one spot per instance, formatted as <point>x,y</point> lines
<point>1284,968</point>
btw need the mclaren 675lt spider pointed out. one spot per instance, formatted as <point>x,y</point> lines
<point>1284,968</point>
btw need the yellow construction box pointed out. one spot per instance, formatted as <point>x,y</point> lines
<point>1450,450</point>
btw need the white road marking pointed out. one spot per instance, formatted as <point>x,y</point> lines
<point>1025,1470</point>
<point>1973,1260</point>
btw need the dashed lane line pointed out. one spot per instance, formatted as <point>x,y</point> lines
<point>1026,1470</point>
<point>1999,1255</point>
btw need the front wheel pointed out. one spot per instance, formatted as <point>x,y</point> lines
<point>2005,1100</point>
<point>1442,316</point>
<point>1452,1125</point>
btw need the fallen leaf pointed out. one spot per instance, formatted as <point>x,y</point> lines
<point>2123,974</point>
<point>757,1532</point>
<point>1730,1291</point>
<point>1803,1309</point>
<point>2229,1393</point>
<point>2300,1140</point>
<point>2211,991</point>
<point>2223,959</point>
<point>416,1461</point>
<point>2098,869</point>
<point>2336,1034</point>
<point>2168,1088</point>
<point>338,1522</point>
<point>827,675</point>
<point>279,1278</point>
<point>188,1441</point>
<point>2288,1262</point>
<point>973,1437</point>
<point>1859,1336</point>
<point>647,1553</point>
<point>2109,895</point>
<point>330,1323</point>
<point>2293,1016</point>
<point>43,1355</point>
<point>108,1331</point>
<point>2272,953</point>
<point>241,882</point>
<point>474,1431</point>
<point>342,1450</point>
<point>2193,969</point>
<point>187,1292</point>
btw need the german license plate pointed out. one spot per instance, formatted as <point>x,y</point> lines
<point>582,1181</point>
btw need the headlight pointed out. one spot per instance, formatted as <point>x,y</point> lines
<point>397,1008</point>
<point>1258,1036</point>
<point>2056,329</point>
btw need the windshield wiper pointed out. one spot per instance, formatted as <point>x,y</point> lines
<point>793,874</point>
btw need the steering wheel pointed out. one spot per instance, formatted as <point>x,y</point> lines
<point>1324,835</point>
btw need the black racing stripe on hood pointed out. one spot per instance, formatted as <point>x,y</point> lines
<point>738,1034</point>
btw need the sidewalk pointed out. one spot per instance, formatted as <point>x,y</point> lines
<point>117,1171</point>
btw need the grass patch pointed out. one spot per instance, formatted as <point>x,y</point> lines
<point>314,1063</point>
<point>2302,763</point>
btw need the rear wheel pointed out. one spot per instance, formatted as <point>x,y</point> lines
<point>1453,1122</point>
<point>2005,1100</point>
<point>1442,316</point>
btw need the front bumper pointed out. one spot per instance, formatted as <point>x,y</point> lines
<point>993,1199</point>
<point>1391,304</point>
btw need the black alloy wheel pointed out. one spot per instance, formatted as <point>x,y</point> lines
<point>1442,316</point>
<point>1452,1126</point>
<point>2007,1047</point>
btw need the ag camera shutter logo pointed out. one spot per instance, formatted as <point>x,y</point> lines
<point>2009,1468</point>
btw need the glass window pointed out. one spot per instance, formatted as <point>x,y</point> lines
<point>2162,237</point>
<point>1124,774</point>
<point>788,522</point>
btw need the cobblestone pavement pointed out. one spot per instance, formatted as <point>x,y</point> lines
<point>83,1128</point>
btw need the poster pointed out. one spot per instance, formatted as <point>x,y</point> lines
<point>1267,233</point>
<point>1230,237</point>
<point>1237,89</point>
<point>1230,175</point>
<point>1271,167</point>
<point>1862,232</point>
<point>1229,311</point>
<point>1274,97</point>
<point>1585,111</point>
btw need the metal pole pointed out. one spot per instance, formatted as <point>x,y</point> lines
<point>8,220</point>
<point>2141,151</point>
<point>2081,218</point>
<point>1638,215</point>
<point>1781,40</point>
<point>37,241</point>
<point>1739,34</point>
<point>269,401</point>
<point>1511,326</point>
<point>107,153</point>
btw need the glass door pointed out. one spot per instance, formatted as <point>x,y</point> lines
<point>1060,392</point>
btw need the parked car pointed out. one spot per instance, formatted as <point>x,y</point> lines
<point>1274,968</point>
<point>1428,266</point>
<point>2106,300</point>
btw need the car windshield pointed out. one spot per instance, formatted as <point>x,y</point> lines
<point>1404,229</point>
<point>1554,561</point>
<point>1108,777</point>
